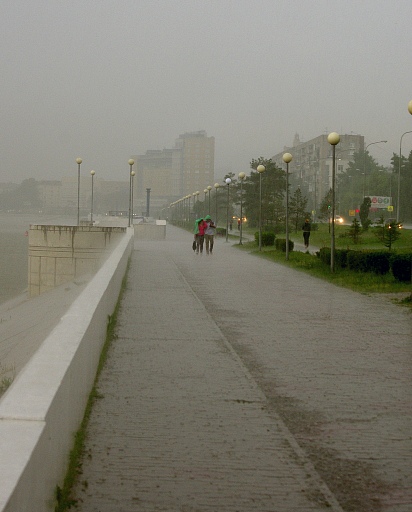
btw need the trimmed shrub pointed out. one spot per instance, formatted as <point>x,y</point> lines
<point>401,267</point>
<point>280,245</point>
<point>378,262</point>
<point>324,255</point>
<point>341,257</point>
<point>356,261</point>
<point>268,238</point>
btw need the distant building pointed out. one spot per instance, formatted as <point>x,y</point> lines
<point>50,195</point>
<point>311,166</point>
<point>173,173</point>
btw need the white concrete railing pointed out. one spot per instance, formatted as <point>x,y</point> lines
<point>43,408</point>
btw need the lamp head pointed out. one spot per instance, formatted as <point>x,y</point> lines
<point>217,185</point>
<point>410,107</point>
<point>260,168</point>
<point>228,181</point>
<point>131,161</point>
<point>79,161</point>
<point>209,187</point>
<point>333,138</point>
<point>92,173</point>
<point>287,157</point>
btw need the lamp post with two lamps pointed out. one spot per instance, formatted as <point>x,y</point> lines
<point>260,169</point>
<point>333,139</point>
<point>287,158</point>
<point>131,163</point>
<point>78,161</point>
<point>241,177</point>
<point>228,181</point>
<point>92,173</point>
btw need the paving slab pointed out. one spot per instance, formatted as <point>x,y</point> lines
<point>238,384</point>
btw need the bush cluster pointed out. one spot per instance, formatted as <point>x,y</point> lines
<point>268,238</point>
<point>280,245</point>
<point>378,262</point>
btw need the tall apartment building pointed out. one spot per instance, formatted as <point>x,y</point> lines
<point>173,173</point>
<point>311,166</point>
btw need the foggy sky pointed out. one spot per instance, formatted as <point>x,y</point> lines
<point>107,79</point>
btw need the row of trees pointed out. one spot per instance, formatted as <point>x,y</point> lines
<point>363,177</point>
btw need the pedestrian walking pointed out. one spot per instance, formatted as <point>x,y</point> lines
<point>306,232</point>
<point>199,232</point>
<point>209,234</point>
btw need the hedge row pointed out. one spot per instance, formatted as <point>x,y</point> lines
<point>378,262</point>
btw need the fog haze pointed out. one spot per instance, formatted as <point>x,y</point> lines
<point>104,79</point>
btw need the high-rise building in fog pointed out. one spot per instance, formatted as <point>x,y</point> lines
<point>311,167</point>
<point>173,173</point>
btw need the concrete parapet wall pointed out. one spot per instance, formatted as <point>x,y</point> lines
<point>44,406</point>
<point>58,254</point>
<point>146,231</point>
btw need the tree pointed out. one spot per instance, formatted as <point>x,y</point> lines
<point>364,212</point>
<point>355,231</point>
<point>273,190</point>
<point>406,185</point>
<point>363,176</point>
<point>326,206</point>
<point>388,234</point>
<point>297,208</point>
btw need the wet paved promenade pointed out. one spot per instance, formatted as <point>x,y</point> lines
<point>236,384</point>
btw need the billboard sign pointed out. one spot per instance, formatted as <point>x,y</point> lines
<point>380,201</point>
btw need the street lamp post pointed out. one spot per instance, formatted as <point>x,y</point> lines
<point>333,139</point>
<point>78,161</point>
<point>92,173</point>
<point>189,197</point>
<point>364,163</point>
<point>241,177</point>
<point>260,169</point>
<point>132,208</point>
<point>228,181</point>
<point>131,162</point>
<point>399,172</point>
<point>209,188</point>
<point>287,158</point>
<point>204,206</point>
<point>217,185</point>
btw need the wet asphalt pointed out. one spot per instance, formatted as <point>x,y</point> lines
<point>236,384</point>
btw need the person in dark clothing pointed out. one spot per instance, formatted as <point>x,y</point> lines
<point>306,232</point>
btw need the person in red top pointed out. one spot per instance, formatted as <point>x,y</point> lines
<point>200,227</point>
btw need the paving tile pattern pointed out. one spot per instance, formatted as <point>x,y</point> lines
<point>236,384</point>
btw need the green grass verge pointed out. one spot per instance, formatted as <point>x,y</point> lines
<point>312,265</point>
<point>63,495</point>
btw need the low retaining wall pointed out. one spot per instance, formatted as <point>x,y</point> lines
<point>59,254</point>
<point>146,231</point>
<point>43,408</point>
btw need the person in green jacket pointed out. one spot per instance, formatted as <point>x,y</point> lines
<point>199,232</point>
